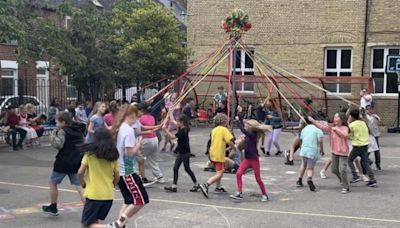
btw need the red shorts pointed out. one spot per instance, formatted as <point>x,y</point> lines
<point>219,166</point>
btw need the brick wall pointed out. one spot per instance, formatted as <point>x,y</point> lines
<point>296,33</point>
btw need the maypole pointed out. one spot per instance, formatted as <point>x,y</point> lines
<point>235,25</point>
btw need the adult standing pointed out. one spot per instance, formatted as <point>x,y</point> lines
<point>366,99</point>
<point>220,97</point>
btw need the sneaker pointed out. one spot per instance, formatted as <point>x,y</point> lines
<point>262,149</point>
<point>50,209</point>
<point>355,180</point>
<point>372,183</point>
<point>192,155</point>
<point>195,188</point>
<point>323,174</point>
<point>311,185</point>
<point>264,198</point>
<point>146,182</point>
<point>289,163</point>
<point>170,189</point>
<point>220,190</point>
<point>237,196</point>
<point>299,184</point>
<point>114,225</point>
<point>345,190</point>
<point>204,190</point>
<point>278,153</point>
<point>160,180</point>
<point>267,154</point>
<point>365,178</point>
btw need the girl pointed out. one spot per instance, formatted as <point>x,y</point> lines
<point>95,120</point>
<point>150,144</point>
<point>109,117</point>
<point>98,174</point>
<point>338,135</point>
<point>273,119</point>
<point>31,135</point>
<point>183,150</point>
<point>130,184</point>
<point>169,107</point>
<point>34,119</point>
<point>253,128</point>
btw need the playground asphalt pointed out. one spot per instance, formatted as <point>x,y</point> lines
<point>24,176</point>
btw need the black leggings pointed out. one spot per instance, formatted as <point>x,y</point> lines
<point>185,158</point>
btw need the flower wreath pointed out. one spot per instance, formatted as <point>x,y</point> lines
<point>237,23</point>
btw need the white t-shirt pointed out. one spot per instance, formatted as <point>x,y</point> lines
<point>137,128</point>
<point>365,101</point>
<point>126,138</point>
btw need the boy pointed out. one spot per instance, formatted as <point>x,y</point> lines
<point>220,136</point>
<point>65,138</point>
<point>311,137</point>
<point>359,136</point>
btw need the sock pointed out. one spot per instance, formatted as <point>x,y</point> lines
<point>122,220</point>
<point>173,186</point>
<point>218,185</point>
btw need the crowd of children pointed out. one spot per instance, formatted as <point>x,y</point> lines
<point>118,144</point>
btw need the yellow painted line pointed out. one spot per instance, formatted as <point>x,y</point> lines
<point>235,208</point>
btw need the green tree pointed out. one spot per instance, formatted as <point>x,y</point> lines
<point>11,27</point>
<point>149,41</point>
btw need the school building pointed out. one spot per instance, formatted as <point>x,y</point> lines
<point>342,38</point>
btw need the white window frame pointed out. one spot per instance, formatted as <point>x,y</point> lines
<point>382,70</point>
<point>242,70</point>
<point>66,21</point>
<point>10,65</point>
<point>39,77</point>
<point>338,68</point>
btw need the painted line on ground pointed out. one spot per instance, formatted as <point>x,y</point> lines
<point>234,208</point>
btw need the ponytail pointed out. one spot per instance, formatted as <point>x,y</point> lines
<point>126,110</point>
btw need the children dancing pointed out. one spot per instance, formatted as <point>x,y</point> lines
<point>252,129</point>
<point>183,149</point>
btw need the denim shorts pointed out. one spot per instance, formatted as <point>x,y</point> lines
<point>57,178</point>
<point>309,162</point>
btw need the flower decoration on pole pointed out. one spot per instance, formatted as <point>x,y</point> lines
<point>237,23</point>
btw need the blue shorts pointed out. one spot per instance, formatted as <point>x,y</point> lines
<point>309,163</point>
<point>57,178</point>
<point>95,210</point>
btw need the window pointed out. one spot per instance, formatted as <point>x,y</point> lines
<point>384,83</point>
<point>8,82</point>
<point>338,63</point>
<point>244,66</point>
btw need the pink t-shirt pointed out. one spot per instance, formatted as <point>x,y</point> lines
<point>148,120</point>
<point>109,119</point>
<point>337,139</point>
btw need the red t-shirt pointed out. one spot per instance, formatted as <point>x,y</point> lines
<point>109,119</point>
<point>12,119</point>
<point>148,120</point>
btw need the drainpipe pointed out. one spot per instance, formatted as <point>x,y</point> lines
<point>366,27</point>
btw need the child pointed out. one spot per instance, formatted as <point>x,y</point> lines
<point>234,159</point>
<point>31,135</point>
<point>359,136</point>
<point>65,138</point>
<point>272,118</point>
<point>310,138</point>
<point>251,156</point>
<point>338,135</point>
<point>220,136</point>
<point>100,166</point>
<point>183,150</point>
<point>373,125</point>
<point>96,120</point>
<point>130,184</point>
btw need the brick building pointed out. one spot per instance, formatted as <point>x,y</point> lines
<point>343,38</point>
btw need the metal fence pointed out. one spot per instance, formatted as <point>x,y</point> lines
<point>42,93</point>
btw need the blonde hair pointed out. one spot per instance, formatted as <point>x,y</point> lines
<point>30,107</point>
<point>220,119</point>
<point>95,109</point>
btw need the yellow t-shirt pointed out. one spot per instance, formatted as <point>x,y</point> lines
<point>99,177</point>
<point>220,136</point>
<point>359,133</point>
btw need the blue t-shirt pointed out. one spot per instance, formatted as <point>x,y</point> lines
<point>310,136</point>
<point>98,122</point>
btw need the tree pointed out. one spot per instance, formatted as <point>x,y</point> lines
<point>149,39</point>
<point>11,27</point>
